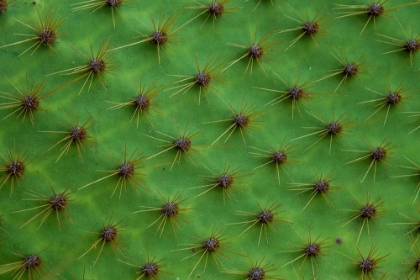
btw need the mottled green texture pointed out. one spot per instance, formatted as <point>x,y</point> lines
<point>112,130</point>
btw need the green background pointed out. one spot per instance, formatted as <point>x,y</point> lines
<point>112,130</point>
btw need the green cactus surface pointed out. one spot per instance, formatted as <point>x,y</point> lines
<point>202,139</point>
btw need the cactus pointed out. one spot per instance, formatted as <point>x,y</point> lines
<point>222,139</point>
